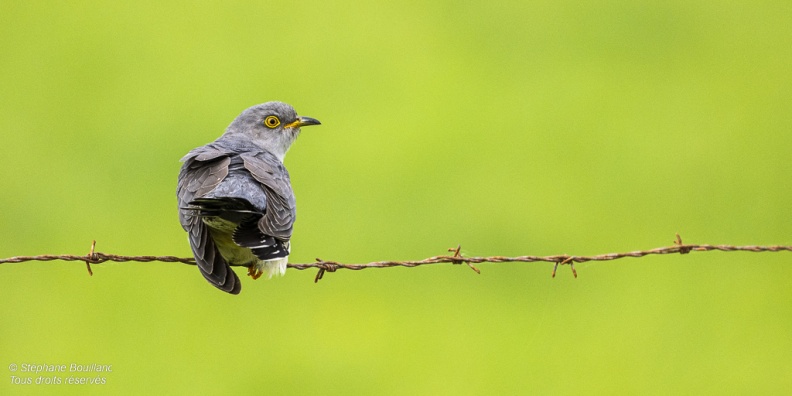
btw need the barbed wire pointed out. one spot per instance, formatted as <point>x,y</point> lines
<point>323,266</point>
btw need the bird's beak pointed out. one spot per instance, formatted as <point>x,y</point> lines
<point>302,121</point>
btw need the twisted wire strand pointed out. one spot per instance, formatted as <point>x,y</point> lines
<point>456,258</point>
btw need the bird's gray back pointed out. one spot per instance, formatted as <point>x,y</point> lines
<point>239,183</point>
<point>226,170</point>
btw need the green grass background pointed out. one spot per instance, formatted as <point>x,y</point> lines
<point>511,128</point>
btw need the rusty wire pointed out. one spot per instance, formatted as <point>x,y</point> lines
<point>456,258</point>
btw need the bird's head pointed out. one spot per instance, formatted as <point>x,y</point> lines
<point>273,126</point>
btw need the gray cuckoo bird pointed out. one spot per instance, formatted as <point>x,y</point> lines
<point>235,196</point>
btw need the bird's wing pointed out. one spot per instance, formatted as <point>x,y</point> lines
<point>203,169</point>
<point>278,220</point>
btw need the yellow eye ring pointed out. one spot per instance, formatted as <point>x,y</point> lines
<point>271,122</point>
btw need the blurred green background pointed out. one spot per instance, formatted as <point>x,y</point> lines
<point>511,128</point>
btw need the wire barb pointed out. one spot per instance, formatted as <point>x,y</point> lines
<point>569,260</point>
<point>458,255</point>
<point>682,248</point>
<point>90,257</point>
<point>323,266</point>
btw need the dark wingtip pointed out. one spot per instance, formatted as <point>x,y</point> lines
<point>231,284</point>
<point>237,285</point>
